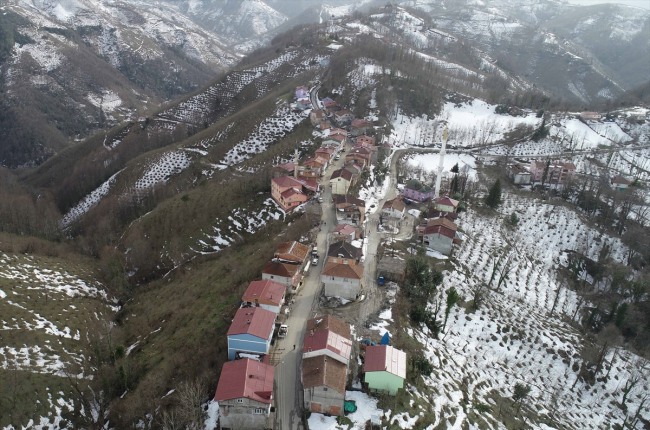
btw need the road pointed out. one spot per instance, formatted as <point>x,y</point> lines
<point>288,388</point>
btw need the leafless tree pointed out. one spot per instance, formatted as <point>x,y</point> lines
<point>190,397</point>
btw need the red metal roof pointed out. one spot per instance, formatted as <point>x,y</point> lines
<point>440,229</point>
<point>280,269</point>
<point>265,292</point>
<point>327,339</point>
<point>344,229</point>
<point>342,173</point>
<point>287,181</point>
<point>257,322</point>
<point>385,358</point>
<point>245,378</point>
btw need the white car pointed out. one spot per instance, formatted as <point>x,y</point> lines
<point>314,262</point>
<point>320,200</point>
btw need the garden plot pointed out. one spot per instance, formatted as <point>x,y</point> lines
<point>47,308</point>
<point>629,163</point>
<point>243,220</point>
<point>159,171</point>
<point>271,130</point>
<point>89,201</point>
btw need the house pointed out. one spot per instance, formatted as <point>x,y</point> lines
<point>636,118</point>
<point>287,192</point>
<point>354,168</point>
<point>338,131</point>
<point>619,183</point>
<point>337,140</point>
<point>417,191</point>
<point>590,116</point>
<point>315,165</point>
<point>303,104</point>
<point>325,366</point>
<point>251,331</point>
<point>323,383</point>
<point>309,185</point>
<point>342,280</point>
<point>302,93</point>
<point>329,344</point>
<point>325,125</point>
<point>349,210</point>
<point>331,106</point>
<point>317,116</point>
<point>373,150</point>
<point>265,294</point>
<point>446,204</point>
<point>394,208</point>
<point>325,153</point>
<point>347,232</point>
<point>286,169</point>
<point>558,172</point>
<point>245,395</point>
<point>340,181</point>
<point>385,368</point>
<point>361,155</point>
<point>283,273</point>
<point>439,235</point>
<point>343,116</point>
<point>366,139</point>
<point>359,127</point>
<point>292,252</point>
<point>519,175</point>
<point>343,252</point>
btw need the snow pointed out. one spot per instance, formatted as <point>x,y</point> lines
<point>436,254</point>
<point>88,201</point>
<point>212,415</point>
<point>159,171</point>
<point>430,162</point>
<point>334,46</point>
<point>366,407</point>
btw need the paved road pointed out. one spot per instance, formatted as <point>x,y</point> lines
<point>288,387</point>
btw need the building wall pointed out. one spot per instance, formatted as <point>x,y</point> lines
<point>324,400</point>
<point>353,219</point>
<point>522,179</point>
<point>247,343</point>
<point>339,186</point>
<point>279,279</point>
<point>242,416</point>
<point>272,308</point>
<point>439,242</point>
<point>384,381</point>
<point>342,287</point>
<point>392,213</point>
<point>444,208</point>
<point>418,196</point>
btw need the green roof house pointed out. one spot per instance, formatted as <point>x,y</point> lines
<point>417,191</point>
<point>385,368</point>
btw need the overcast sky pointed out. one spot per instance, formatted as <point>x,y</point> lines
<point>638,3</point>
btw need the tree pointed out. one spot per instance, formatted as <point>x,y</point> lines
<point>452,298</point>
<point>541,132</point>
<point>479,295</point>
<point>520,393</point>
<point>455,169</point>
<point>493,198</point>
<point>514,219</point>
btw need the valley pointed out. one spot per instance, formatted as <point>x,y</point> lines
<point>143,201</point>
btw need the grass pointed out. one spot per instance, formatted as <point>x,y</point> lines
<point>31,386</point>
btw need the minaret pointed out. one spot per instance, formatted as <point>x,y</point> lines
<point>442,161</point>
<point>295,163</point>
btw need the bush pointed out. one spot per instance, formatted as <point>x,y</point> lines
<point>502,109</point>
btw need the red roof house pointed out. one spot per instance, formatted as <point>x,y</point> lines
<point>247,379</point>
<point>265,294</point>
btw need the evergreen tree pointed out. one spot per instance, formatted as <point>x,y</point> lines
<point>455,169</point>
<point>541,132</point>
<point>452,298</point>
<point>493,198</point>
<point>521,392</point>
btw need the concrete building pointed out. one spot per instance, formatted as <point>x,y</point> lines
<point>329,344</point>
<point>519,175</point>
<point>445,204</point>
<point>342,280</point>
<point>287,192</point>
<point>340,181</point>
<point>323,382</point>
<point>317,116</point>
<point>439,235</point>
<point>344,253</point>
<point>551,172</point>
<point>385,368</point>
<point>417,191</point>
<point>394,208</point>
<point>245,395</point>
<point>349,210</point>
<point>620,183</point>
<point>265,294</point>
<point>283,273</point>
<point>250,332</point>
<point>590,116</point>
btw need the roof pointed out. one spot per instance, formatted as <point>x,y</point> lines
<point>396,204</point>
<point>364,137</point>
<point>280,269</point>
<point>340,199</point>
<point>357,123</point>
<point>293,251</point>
<point>343,248</point>
<point>290,192</point>
<point>289,167</point>
<point>327,99</point>
<point>302,88</point>
<point>245,378</point>
<point>517,169</point>
<point>316,160</point>
<point>360,150</point>
<point>440,229</point>
<point>342,173</point>
<point>287,181</point>
<point>266,292</point>
<point>322,149</point>
<point>329,340</point>
<point>336,137</point>
<point>319,371</point>
<point>620,180</point>
<point>340,131</point>
<point>444,222</point>
<point>318,113</point>
<point>310,185</point>
<point>385,358</point>
<point>446,201</point>
<point>414,184</point>
<point>350,271</point>
<point>257,322</point>
<point>344,229</point>
<point>328,322</point>
<point>343,112</point>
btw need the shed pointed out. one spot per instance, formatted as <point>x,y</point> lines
<point>385,368</point>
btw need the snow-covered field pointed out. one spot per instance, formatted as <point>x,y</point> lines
<point>47,307</point>
<point>429,162</point>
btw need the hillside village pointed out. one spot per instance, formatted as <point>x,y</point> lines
<point>323,239</point>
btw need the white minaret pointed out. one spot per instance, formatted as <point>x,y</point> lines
<point>442,161</point>
<point>295,163</point>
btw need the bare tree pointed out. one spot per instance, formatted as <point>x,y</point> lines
<point>190,397</point>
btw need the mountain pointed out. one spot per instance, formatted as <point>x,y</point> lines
<point>71,68</point>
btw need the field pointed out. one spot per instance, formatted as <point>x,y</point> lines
<point>48,306</point>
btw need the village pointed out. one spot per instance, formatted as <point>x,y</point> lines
<point>282,324</point>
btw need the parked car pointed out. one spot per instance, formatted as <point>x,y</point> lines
<point>320,200</point>
<point>314,251</point>
<point>314,262</point>
<point>338,157</point>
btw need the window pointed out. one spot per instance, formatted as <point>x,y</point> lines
<point>332,278</point>
<point>240,400</point>
<point>272,277</point>
<point>259,411</point>
<point>324,388</point>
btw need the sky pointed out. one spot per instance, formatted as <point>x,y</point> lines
<point>638,3</point>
